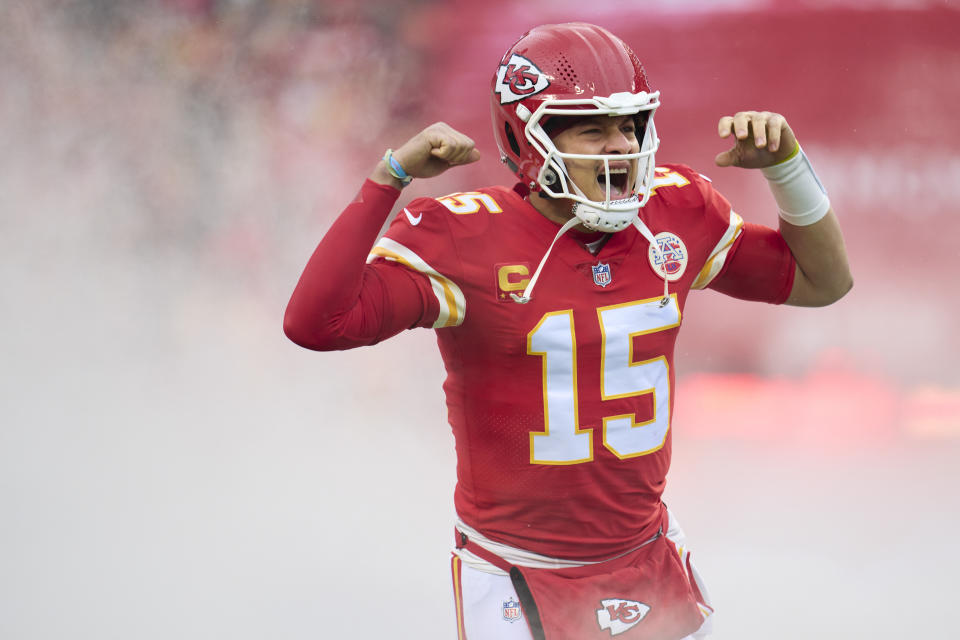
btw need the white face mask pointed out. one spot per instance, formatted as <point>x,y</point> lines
<point>608,215</point>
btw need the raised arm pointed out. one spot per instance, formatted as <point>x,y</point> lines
<point>340,302</point>
<point>764,140</point>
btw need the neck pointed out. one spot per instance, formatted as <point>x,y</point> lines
<point>559,211</point>
<point>556,210</point>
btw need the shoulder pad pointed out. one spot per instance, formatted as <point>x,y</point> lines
<point>470,202</point>
<point>678,184</point>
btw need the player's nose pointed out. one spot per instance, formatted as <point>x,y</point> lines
<point>617,141</point>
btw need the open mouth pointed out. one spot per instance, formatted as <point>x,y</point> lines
<point>619,177</point>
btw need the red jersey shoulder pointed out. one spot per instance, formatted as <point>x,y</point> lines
<point>441,232</point>
<point>678,189</point>
<point>488,201</point>
<point>456,217</point>
<point>419,216</point>
<point>679,185</point>
<point>462,214</point>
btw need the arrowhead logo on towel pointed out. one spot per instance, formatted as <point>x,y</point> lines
<point>620,615</point>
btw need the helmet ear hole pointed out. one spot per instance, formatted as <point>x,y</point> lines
<point>511,139</point>
<point>550,176</point>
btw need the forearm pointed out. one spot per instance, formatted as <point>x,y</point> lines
<point>812,232</point>
<point>822,272</point>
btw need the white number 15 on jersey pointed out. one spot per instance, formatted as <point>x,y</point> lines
<point>554,340</point>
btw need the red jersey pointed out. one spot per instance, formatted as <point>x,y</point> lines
<point>561,407</point>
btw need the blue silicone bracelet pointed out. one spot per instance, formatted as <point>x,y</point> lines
<point>394,168</point>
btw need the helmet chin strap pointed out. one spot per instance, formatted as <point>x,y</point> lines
<point>528,290</point>
<point>524,297</point>
<point>601,220</point>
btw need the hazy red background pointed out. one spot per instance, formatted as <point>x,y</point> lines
<point>172,467</point>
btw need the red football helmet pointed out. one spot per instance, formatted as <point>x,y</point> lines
<point>573,69</point>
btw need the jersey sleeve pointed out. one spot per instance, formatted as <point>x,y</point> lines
<point>420,239</point>
<point>340,302</point>
<point>749,261</point>
<point>761,267</point>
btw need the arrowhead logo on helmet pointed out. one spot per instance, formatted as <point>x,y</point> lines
<point>518,79</point>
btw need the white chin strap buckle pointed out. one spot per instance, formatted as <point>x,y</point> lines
<point>599,219</point>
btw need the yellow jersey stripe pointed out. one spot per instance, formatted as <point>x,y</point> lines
<point>455,569</point>
<point>719,254</point>
<point>448,294</point>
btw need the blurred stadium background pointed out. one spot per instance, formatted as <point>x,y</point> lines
<point>171,467</point>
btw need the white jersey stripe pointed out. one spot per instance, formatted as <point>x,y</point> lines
<point>719,254</point>
<point>448,294</point>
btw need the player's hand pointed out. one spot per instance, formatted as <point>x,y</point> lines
<point>434,150</point>
<point>762,139</point>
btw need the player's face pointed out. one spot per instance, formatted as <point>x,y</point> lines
<point>601,135</point>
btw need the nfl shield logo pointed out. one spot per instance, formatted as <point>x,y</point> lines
<point>511,610</point>
<point>601,274</point>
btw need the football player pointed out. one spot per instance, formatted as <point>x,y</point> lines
<point>556,304</point>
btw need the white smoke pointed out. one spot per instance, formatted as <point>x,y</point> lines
<point>172,467</point>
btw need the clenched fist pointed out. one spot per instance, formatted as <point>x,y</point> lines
<point>430,153</point>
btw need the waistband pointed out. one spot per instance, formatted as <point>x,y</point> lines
<point>479,552</point>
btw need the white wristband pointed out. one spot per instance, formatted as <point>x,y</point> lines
<point>798,192</point>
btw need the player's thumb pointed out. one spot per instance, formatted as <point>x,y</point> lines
<point>725,159</point>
